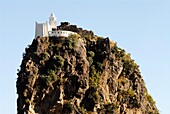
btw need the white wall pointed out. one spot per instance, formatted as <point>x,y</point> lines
<point>38,29</point>
<point>61,33</point>
<point>41,29</point>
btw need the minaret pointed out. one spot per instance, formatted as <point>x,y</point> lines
<point>44,29</point>
<point>52,21</point>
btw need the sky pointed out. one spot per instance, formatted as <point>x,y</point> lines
<point>141,27</point>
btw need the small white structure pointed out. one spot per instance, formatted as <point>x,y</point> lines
<point>60,33</point>
<point>50,29</point>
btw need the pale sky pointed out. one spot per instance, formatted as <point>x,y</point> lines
<point>141,27</point>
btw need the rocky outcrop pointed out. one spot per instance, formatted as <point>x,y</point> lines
<point>78,75</point>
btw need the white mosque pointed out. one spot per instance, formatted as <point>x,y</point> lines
<point>50,28</point>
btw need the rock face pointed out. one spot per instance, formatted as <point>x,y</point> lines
<point>78,75</point>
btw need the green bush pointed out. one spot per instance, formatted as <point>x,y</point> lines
<point>52,74</point>
<point>46,80</point>
<point>126,95</point>
<point>94,76</point>
<point>128,64</point>
<point>131,93</point>
<point>45,56</point>
<point>118,52</point>
<point>27,101</point>
<point>73,38</point>
<point>90,59</point>
<point>150,99</point>
<point>58,60</point>
<point>69,43</point>
<point>99,66</point>
<point>90,54</point>
<point>82,110</point>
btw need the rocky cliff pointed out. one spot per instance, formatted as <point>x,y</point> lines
<point>80,74</point>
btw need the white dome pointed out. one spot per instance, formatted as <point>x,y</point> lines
<point>52,15</point>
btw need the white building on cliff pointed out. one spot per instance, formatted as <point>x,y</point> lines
<point>50,28</point>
